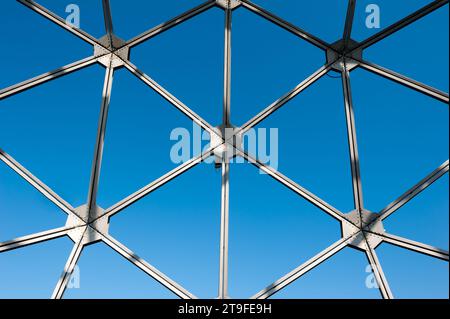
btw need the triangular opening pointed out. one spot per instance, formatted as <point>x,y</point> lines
<point>412,275</point>
<point>146,137</point>
<point>193,71</point>
<point>365,23</point>
<point>176,229</point>
<point>51,131</point>
<point>311,16</point>
<point>402,137</point>
<point>267,62</point>
<point>346,275</point>
<point>35,47</point>
<point>145,14</point>
<point>405,58</point>
<point>306,140</point>
<point>90,14</point>
<point>424,218</point>
<point>32,272</point>
<point>104,274</point>
<point>267,237</point>
<point>24,210</point>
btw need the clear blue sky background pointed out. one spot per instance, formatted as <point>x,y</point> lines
<point>51,130</point>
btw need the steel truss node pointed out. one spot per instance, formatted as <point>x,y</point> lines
<point>361,229</point>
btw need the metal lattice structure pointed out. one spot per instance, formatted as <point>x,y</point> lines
<point>361,229</point>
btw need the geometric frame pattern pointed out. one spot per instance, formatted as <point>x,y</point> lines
<point>361,229</point>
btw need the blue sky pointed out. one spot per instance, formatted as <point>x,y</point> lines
<point>51,130</point>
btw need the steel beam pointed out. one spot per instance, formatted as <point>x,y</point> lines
<point>170,24</point>
<point>353,145</point>
<point>422,12</point>
<point>59,21</point>
<point>147,268</point>
<point>43,78</point>
<point>403,80</point>
<point>349,22</point>
<point>33,239</point>
<point>68,269</point>
<point>414,191</point>
<point>382,282</point>
<point>415,246</point>
<point>286,25</point>
<point>313,78</point>
<point>108,22</point>
<point>98,152</point>
<point>36,183</point>
<point>224,224</point>
<point>313,199</point>
<point>302,269</point>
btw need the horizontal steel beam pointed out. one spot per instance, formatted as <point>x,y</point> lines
<point>414,191</point>
<point>34,239</point>
<point>36,183</point>
<point>422,12</point>
<point>415,246</point>
<point>401,79</point>
<point>170,24</point>
<point>147,268</point>
<point>25,85</point>
<point>59,21</point>
<point>302,269</point>
<point>286,98</point>
<point>286,25</point>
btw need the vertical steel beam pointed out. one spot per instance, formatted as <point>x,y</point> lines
<point>98,152</point>
<point>108,22</point>
<point>353,146</point>
<point>349,22</point>
<point>224,222</point>
<point>224,211</point>
<point>227,69</point>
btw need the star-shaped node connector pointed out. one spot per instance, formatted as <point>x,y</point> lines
<point>225,142</point>
<point>363,228</point>
<point>114,50</point>
<point>87,227</point>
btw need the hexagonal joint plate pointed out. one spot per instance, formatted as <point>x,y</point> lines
<point>344,54</point>
<point>228,4</point>
<point>364,226</point>
<point>232,138</point>
<point>87,228</point>
<point>107,54</point>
